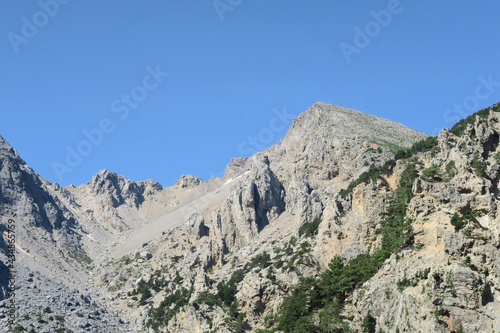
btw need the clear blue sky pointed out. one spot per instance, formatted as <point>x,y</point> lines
<point>86,66</point>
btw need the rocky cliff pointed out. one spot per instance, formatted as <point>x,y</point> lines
<point>350,222</point>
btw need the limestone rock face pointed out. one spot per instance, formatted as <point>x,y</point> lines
<point>145,255</point>
<point>117,189</point>
<point>195,225</point>
<point>237,166</point>
<point>49,248</point>
<point>462,276</point>
<point>27,196</point>
<point>188,181</point>
<point>253,202</point>
<point>325,148</point>
<point>256,293</point>
<point>209,251</point>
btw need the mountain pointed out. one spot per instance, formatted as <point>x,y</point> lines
<point>350,222</point>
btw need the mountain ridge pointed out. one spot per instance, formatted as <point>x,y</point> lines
<point>245,240</point>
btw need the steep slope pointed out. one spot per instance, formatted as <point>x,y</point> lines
<point>26,195</point>
<point>220,255</point>
<point>270,197</point>
<point>326,147</point>
<point>49,260</point>
<point>448,280</point>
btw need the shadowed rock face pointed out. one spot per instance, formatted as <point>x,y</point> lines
<point>117,189</point>
<point>253,202</point>
<point>24,194</point>
<point>195,226</point>
<point>325,148</point>
<point>51,253</point>
<point>254,209</point>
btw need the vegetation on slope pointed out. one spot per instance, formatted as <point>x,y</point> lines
<point>315,304</point>
<point>459,128</point>
<point>421,146</point>
<point>376,171</point>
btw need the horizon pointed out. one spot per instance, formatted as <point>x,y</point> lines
<point>219,175</point>
<point>158,90</point>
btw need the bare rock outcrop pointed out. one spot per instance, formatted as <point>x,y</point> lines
<point>188,181</point>
<point>195,225</point>
<point>253,202</point>
<point>24,194</point>
<point>117,189</point>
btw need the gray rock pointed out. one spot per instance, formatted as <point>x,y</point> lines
<point>187,181</point>
<point>145,255</point>
<point>195,225</point>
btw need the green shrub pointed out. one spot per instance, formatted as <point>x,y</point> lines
<point>432,173</point>
<point>403,284</point>
<point>240,322</point>
<point>375,172</point>
<point>426,273</point>
<point>478,165</point>
<point>459,128</point>
<point>309,229</point>
<point>167,309</point>
<point>82,258</point>
<point>396,228</point>
<point>369,324</point>
<point>299,311</point>
<point>450,170</point>
<point>226,291</point>
<point>178,279</point>
<point>497,157</point>
<point>18,328</point>
<point>176,259</point>
<point>233,310</point>
<point>330,319</point>
<point>205,297</point>
<point>125,260</point>
<point>270,274</point>
<point>297,258</point>
<point>458,222</point>
<point>143,288</point>
<point>261,260</point>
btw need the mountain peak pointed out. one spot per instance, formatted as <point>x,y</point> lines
<point>6,150</point>
<point>333,121</point>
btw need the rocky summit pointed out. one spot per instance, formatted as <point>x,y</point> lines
<point>351,223</point>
